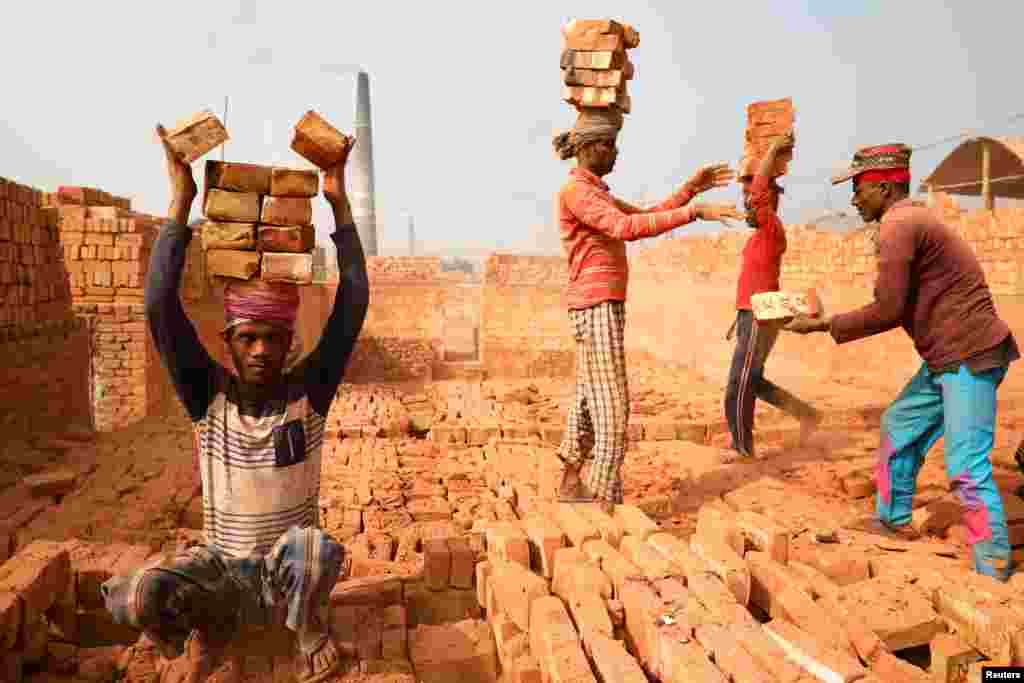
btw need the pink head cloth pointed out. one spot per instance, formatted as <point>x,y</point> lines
<point>258,301</point>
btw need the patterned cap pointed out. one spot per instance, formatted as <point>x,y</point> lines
<point>877,158</point>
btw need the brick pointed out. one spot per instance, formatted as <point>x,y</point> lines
<point>514,589</point>
<point>634,522</point>
<point>812,655</point>
<point>652,564</point>
<point>901,615</point>
<point>510,641</point>
<point>461,651</point>
<point>440,607</point>
<point>840,564</point>
<point>290,182</point>
<point>685,661</point>
<point>240,265</point>
<point>764,535</point>
<point>936,517</point>
<point>319,142</point>
<point>588,611</point>
<point>369,630</point>
<point>723,561</point>
<point>611,662</point>
<point>577,529</point>
<point>643,610</point>
<point>813,581</point>
<point>716,519</point>
<point>592,41</point>
<point>611,78</point>
<point>463,563</point>
<point>236,177</point>
<point>483,574</point>
<point>11,615</point>
<point>611,562</point>
<point>603,59</point>
<point>50,484</point>
<point>951,657</point>
<point>39,573</point>
<point>508,542</point>
<point>239,207</point>
<point>545,539</point>
<point>525,669</point>
<point>729,655</point>
<point>437,562</point>
<point>575,572</point>
<point>768,579</point>
<point>232,236</point>
<point>552,632</point>
<point>608,528</point>
<point>377,590</point>
<point>287,211</point>
<point>768,653</point>
<point>892,669</point>
<point>12,666</point>
<point>197,135</point>
<point>294,239</point>
<point>294,268</point>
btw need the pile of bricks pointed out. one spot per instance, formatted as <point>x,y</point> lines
<point>767,121</point>
<point>594,63</point>
<point>259,222</point>
<point>33,286</point>
<point>83,196</point>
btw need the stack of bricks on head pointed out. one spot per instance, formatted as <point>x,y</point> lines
<point>767,121</point>
<point>594,63</point>
<point>259,219</point>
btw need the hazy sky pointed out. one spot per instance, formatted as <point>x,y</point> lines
<point>466,95</point>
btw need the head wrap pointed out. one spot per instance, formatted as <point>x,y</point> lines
<point>592,125</point>
<point>894,158</point>
<point>889,175</point>
<point>258,301</point>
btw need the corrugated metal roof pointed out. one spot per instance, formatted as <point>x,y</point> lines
<point>960,172</point>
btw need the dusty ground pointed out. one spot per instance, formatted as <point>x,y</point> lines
<point>139,485</point>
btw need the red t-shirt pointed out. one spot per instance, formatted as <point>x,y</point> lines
<point>762,255</point>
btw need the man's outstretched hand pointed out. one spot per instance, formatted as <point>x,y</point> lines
<point>804,324</point>
<point>723,213</point>
<point>709,177</point>
<point>183,185</point>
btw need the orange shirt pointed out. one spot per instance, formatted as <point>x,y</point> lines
<point>595,227</point>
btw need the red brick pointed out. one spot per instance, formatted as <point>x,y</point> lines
<point>510,641</point>
<point>483,575</point>
<point>11,615</point>
<point>576,527</point>
<point>515,589</point>
<point>575,572</point>
<point>460,651</point>
<point>810,652</point>
<point>611,662</point>
<point>901,614</point>
<point>724,562</point>
<point>649,561</point>
<point>611,562</point>
<point>765,535</point>
<point>463,563</point>
<point>768,653</point>
<point>376,590</point>
<point>609,529</point>
<point>555,643</point>
<point>716,520</point>
<point>950,658</point>
<point>238,177</point>
<point>508,542</point>
<point>289,182</point>
<point>634,522</point>
<point>892,669</point>
<point>286,211</point>
<point>545,538</point>
<point>39,573</point>
<point>318,141</point>
<point>730,656</point>
<point>437,562</point>
<point>841,565</point>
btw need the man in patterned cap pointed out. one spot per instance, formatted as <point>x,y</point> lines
<point>260,433</point>
<point>595,227</point>
<point>931,284</point>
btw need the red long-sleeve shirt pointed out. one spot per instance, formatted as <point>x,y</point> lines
<point>762,255</point>
<point>595,227</point>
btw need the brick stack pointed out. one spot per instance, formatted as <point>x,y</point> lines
<point>595,66</point>
<point>767,121</point>
<point>83,196</point>
<point>33,286</point>
<point>259,222</point>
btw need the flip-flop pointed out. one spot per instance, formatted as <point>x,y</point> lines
<point>323,675</point>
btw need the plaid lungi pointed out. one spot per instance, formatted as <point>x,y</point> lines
<point>599,412</point>
<point>202,588</point>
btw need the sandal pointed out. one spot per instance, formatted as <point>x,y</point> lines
<point>304,672</point>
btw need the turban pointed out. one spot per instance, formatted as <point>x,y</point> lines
<point>252,301</point>
<point>592,125</point>
<point>891,175</point>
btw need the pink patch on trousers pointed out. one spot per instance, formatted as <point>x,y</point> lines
<point>883,482</point>
<point>976,521</point>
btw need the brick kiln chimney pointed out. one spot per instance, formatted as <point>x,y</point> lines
<point>412,237</point>
<point>362,169</point>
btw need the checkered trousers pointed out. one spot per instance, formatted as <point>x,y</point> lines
<point>600,410</point>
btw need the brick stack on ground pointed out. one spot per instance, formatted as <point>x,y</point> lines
<point>595,65</point>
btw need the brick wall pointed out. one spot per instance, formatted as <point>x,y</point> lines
<point>44,363</point>
<point>524,331</point>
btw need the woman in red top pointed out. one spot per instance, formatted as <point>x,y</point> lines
<point>762,264</point>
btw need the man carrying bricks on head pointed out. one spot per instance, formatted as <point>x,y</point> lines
<point>931,283</point>
<point>595,227</point>
<point>260,436</point>
<point>762,267</point>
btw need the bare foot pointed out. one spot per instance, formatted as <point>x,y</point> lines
<point>322,663</point>
<point>728,456</point>
<point>607,507</point>
<point>194,666</point>
<point>571,482</point>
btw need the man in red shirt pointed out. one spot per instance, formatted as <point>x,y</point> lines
<point>595,227</point>
<point>762,265</point>
<point>931,283</point>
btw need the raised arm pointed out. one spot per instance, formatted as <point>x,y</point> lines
<point>191,368</point>
<point>706,178</point>
<point>598,210</point>
<point>323,369</point>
